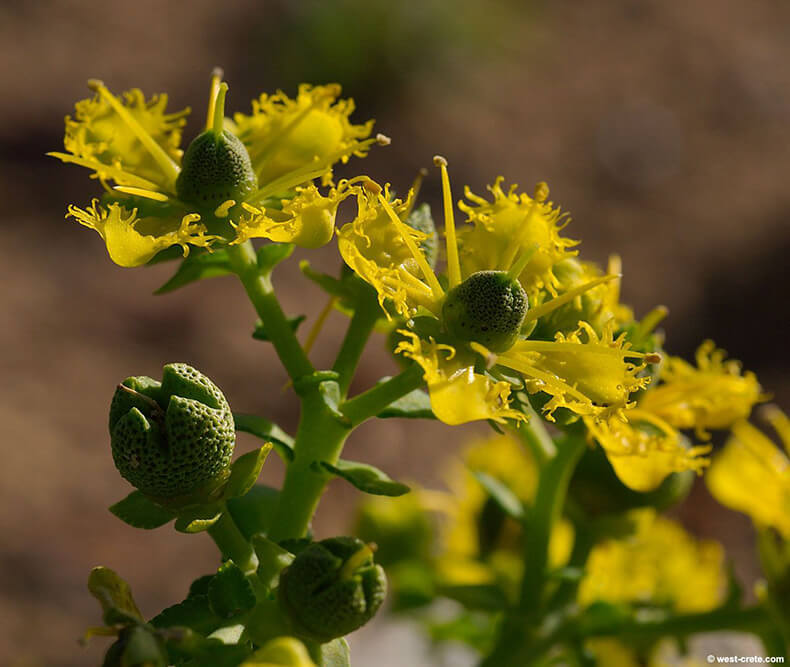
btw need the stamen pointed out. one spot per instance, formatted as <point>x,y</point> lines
<point>416,186</point>
<point>615,266</point>
<point>539,311</point>
<point>216,78</point>
<point>453,265</point>
<point>543,376</point>
<point>540,196</point>
<point>142,192</point>
<point>415,251</point>
<point>116,173</point>
<point>224,208</point>
<point>521,263</point>
<point>166,163</point>
<point>780,423</point>
<point>312,336</point>
<point>652,319</point>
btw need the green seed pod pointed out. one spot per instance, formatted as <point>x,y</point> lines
<point>332,588</point>
<point>216,166</point>
<point>171,438</point>
<point>488,308</point>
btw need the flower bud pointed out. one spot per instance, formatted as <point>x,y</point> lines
<point>332,588</point>
<point>488,308</point>
<point>171,438</point>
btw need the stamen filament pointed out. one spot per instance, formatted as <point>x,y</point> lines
<point>548,378</point>
<point>415,190</point>
<point>165,162</point>
<point>539,311</point>
<point>219,109</point>
<point>315,330</point>
<point>652,319</point>
<point>540,195</point>
<point>521,263</point>
<point>216,79</point>
<point>453,265</point>
<point>562,346</point>
<point>142,192</point>
<point>115,173</point>
<point>415,251</point>
<point>780,423</point>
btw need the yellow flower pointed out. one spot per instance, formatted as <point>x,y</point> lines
<point>644,450</point>
<point>658,564</point>
<point>752,475</point>
<point>465,557</point>
<point>590,375</point>
<point>510,224</point>
<point>156,196</point>
<point>714,395</point>
<point>282,134</point>
<point>280,652</point>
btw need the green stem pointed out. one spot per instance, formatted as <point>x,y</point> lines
<point>519,626</point>
<point>535,435</point>
<point>232,543</point>
<point>320,438</point>
<point>260,291</point>
<point>357,335</point>
<point>371,402</point>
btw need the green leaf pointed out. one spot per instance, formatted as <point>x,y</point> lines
<point>195,612</point>
<point>332,286</point>
<point>502,495</point>
<point>245,470</point>
<point>229,592</point>
<point>139,511</point>
<point>335,653</point>
<point>198,267</point>
<point>330,392</point>
<point>483,597</point>
<point>266,430</point>
<point>414,405</point>
<point>199,586</point>
<point>251,512</point>
<point>114,596</point>
<point>364,477</point>
<point>197,519</point>
<point>271,254</point>
<point>260,328</point>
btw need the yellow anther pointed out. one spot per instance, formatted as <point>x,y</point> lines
<point>541,192</point>
<point>383,139</point>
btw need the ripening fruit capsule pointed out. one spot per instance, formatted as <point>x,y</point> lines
<point>216,166</point>
<point>174,437</point>
<point>332,588</point>
<point>487,308</point>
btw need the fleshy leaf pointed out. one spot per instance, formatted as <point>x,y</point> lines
<point>364,477</point>
<point>501,494</point>
<point>197,266</point>
<point>414,405</point>
<point>271,254</point>
<point>229,592</point>
<point>138,511</point>
<point>266,430</point>
<point>245,470</point>
<point>330,391</point>
<point>486,597</point>
<point>260,328</point>
<point>194,612</point>
<point>197,519</point>
<point>251,511</point>
<point>114,596</point>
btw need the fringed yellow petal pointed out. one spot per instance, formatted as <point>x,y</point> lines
<point>98,133</point>
<point>458,394</point>
<point>590,375</point>
<point>307,220</point>
<point>506,227</point>
<point>645,450</point>
<point>375,249</point>
<point>752,475</point>
<point>284,134</point>
<point>660,564</point>
<point>133,241</point>
<point>714,395</point>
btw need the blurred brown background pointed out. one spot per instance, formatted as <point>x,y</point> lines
<point>663,127</point>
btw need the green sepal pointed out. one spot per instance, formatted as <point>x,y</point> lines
<point>114,596</point>
<point>244,471</point>
<point>501,495</point>
<point>195,613</point>
<point>414,405</point>
<point>266,430</point>
<point>260,328</point>
<point>139,511</point>
<point>335,653</point>
<point>198,266</point>
<point>481,597</point>
<point>229,592</point>
<point>272,559</point>
<point>364,477</point>
<point>198,518</point>
<point>252,511</point>
<point>271,254</point>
